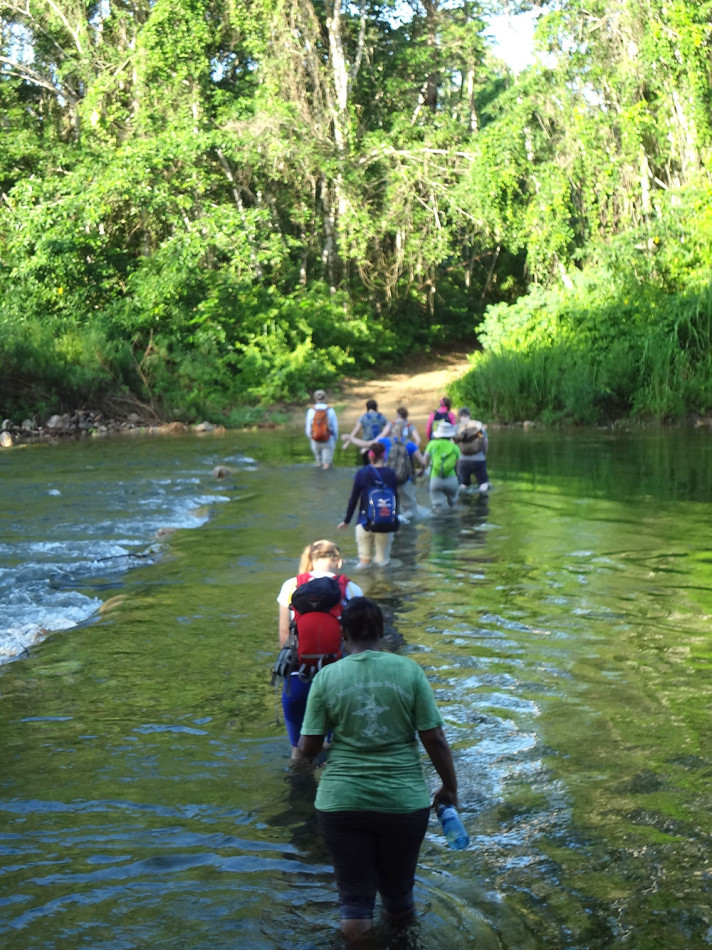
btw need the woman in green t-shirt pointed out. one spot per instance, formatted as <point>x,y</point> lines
<point>372,801</point>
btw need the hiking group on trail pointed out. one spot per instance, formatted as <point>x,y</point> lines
<point>345,699</point>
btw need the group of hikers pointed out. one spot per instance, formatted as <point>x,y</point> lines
<point>347,701</point>
<point>363,709</point>
<point>455,455</point>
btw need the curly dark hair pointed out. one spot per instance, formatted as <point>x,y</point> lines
<point>362,620</point>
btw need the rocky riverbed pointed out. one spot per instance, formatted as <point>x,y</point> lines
<point>85,424</point>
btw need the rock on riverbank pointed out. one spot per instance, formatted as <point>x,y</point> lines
<point>84,424</point>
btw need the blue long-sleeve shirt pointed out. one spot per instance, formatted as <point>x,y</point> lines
<point>365,479</point>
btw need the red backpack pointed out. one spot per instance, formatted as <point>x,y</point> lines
<point>320,428</point>
<point>317,604</point>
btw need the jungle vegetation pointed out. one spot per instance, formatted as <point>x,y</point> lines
<point>207,204</point>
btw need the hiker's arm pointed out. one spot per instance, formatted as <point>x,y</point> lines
<point>309,748</point>
<point>308,422</point>
<point>421,459</point>
<point>353,501</point>
<point>415,436</point>
<point>386,430</point>
<point>438,749</point>
<point>362,443</point>
<point>283,624</point>
<point>334,423</point>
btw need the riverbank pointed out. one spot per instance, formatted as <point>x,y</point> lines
<point>87,424</point>
<point>418,385</point>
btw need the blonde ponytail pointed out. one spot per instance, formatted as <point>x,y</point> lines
<point>316,550</point>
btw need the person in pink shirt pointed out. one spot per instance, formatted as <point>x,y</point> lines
<point>443,413</point>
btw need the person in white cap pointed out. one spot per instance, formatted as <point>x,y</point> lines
<point>322,429</point>
<point>443,455</point>
<point>471,436</point>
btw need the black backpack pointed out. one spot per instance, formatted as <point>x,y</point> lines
<point>315,631</point>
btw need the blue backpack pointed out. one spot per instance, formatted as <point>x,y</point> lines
<point>373,424</point>
<point>381,509</point>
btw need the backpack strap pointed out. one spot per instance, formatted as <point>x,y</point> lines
<point>343,582</point>
<point>376,475</point>
<point>300,579</point>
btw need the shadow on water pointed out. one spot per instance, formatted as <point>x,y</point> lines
<point>563,621</point>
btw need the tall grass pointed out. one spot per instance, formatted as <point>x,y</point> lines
<point>586,357</point>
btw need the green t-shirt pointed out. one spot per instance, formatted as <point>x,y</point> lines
<point>443,456</point>
<point>374,703</point>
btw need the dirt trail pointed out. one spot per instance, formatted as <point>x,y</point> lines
<point>419,389</point>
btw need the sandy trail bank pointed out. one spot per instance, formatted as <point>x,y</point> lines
<point>419,388</point>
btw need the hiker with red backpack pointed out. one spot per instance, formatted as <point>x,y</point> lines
<point>310,637</point>
<point>322,430</point>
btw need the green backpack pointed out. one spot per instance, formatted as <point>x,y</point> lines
<point>450,468</point>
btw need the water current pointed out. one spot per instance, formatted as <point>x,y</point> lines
<point>146,798</point>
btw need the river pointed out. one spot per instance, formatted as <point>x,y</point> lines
<point>564,623</point>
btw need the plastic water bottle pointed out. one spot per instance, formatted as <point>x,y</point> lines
<point>453,828</point>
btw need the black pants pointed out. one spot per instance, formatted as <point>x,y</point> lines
<point>373,852</point>
<point>466,468</point>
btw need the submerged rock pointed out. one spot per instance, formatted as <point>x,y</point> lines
<point>222,471</point>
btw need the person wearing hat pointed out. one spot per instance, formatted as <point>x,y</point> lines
<point>443,455</point>
<point>322,430</point>
<point>472,439</point>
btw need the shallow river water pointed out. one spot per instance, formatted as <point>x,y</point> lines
<point>146,798</point>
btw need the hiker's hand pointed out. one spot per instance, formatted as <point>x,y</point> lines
<point>342,524</point>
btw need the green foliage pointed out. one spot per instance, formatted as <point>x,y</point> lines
<point>212,203</point>
<point>607,347</point>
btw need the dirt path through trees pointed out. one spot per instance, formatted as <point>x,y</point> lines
<point>419,389</point>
